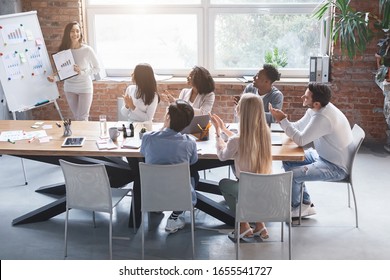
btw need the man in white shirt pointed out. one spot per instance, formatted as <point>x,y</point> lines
<point>328,129</point>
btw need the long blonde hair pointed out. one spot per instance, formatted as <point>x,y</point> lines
<point>255,137</point>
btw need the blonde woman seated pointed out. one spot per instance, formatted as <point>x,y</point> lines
<point>251,151</point>
<point>141,99</point>
<point>201,94</point>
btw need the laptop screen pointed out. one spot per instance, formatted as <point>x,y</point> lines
<point>197,121</point>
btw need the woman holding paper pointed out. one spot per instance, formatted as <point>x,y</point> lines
<point>141,99</point>
<point>78,89</point>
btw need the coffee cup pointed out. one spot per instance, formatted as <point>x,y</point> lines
<point>114,133</point>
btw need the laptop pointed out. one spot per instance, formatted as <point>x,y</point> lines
<point>276,139</point>
<point>193,127</point>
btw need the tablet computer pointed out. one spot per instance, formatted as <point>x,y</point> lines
<point>73,142</point>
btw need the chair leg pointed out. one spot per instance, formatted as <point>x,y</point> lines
<point>133,210</point>
<point>94,219</point>
<point>110,236</point>
<point>143,235</point>
<point>300,207</point>
<point>289,241</point>
<point>24,172</point>
<point>192,232</point>
<point>66,233</point>
<point>237,237</point>
<point>354,201</point>
<point>349,196</point>
<point>281,232</point>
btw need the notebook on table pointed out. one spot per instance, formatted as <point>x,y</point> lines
<point>276,139</point>
<point>275,127</point>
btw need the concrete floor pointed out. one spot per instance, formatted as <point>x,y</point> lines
<point>329,235</point>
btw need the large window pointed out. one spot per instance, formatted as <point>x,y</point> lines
<point>229,37</point>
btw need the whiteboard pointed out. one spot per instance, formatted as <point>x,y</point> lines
<point>24,63</point>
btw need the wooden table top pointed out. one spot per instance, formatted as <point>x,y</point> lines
<point>288,151</point>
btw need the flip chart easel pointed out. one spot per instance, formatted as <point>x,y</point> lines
<point>25,64</point>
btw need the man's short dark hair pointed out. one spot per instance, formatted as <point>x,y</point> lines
<point>271,72</point>
<point>181,114</point>
<point>321,93</point>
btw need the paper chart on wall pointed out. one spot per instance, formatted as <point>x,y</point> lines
<point>35,60</point>
<point>12,64</point>
<point>13,34</point>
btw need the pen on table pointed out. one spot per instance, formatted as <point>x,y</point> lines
<point>12,142</point>
<point>31,140</point>
<point>200,127</point>
<point>58,124</point>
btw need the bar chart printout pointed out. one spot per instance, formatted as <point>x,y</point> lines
<point>35,59</point>
<point>13,34</point>
<point>64,63</point>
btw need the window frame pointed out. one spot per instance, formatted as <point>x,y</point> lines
<point>206,14</point>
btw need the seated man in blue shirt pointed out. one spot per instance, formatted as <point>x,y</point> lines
<point>169,146</point>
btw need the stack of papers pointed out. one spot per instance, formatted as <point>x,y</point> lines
<point>275,127</point>
<point>15,135</point>
<point>132,143</point>
<point>105,144</point>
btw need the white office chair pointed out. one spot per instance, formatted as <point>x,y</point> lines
<point>120,103</point>
<point>165,188</point>
<point>358,137</point>
<point>264,198</point>
<point>88,188</point>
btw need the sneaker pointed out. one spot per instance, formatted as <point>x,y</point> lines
<point>307,210</point>
<point>174,225</point>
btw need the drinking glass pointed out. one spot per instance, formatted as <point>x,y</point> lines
<point>103,126</point>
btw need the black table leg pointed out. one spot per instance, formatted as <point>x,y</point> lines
<point>134,167</point>
<point>43,213</point>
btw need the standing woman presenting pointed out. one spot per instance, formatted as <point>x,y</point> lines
<point>79,89</point>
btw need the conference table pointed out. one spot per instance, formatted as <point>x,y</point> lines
<point>46,146</point>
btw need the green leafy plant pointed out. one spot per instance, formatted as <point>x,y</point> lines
<point>351,28</point>
<point>276,58</point>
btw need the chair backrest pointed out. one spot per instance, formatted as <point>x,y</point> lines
<point>264,198</point>
<point>87,186</point>
<point>165,187</point>
<point>358,135</point>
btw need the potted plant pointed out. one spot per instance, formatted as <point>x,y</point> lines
<point>383,59</point>
<point>141,132</point>
<point>351,28</point>
<point>276,58</point>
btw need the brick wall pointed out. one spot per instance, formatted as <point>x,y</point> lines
<point>355,91</point>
